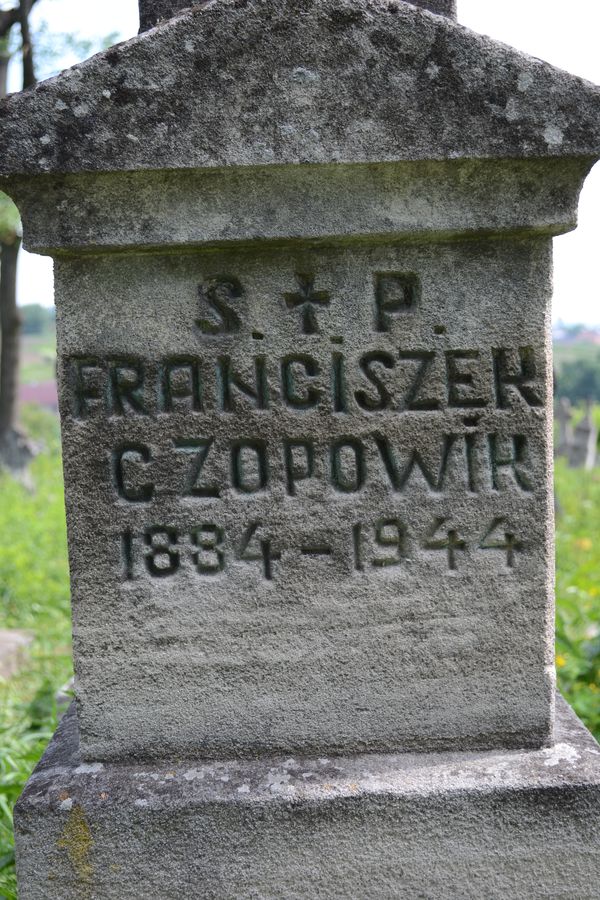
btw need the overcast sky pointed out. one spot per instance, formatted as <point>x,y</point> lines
<point>565,34</point>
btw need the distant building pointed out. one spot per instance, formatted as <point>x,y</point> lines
<point>575,334</point>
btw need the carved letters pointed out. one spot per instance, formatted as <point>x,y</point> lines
<point>376,381</point>
<point>473,463</point>
<point>162,551</point>
<point>444,396</point>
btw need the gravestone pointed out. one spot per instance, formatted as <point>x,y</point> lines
<point>13,651</point>
<point>152,12</point>
<point>583,449</point>
<point>564,418</point>
<point>302,261</point>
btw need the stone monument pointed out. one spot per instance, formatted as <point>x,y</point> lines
<point>152,12</point>
<point>564,421</point>
<point>302,260</point>
<point>583,448</point>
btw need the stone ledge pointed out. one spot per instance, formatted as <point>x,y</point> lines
<point>512,825</point>
<point>216,208</point>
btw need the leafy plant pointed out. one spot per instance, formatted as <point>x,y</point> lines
<point>10,222</point>
<point>34,595</point>
<point>578,591</point>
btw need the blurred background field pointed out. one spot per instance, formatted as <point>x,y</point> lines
<point>34,595</point>
<point>34,589</point>
<point>578,590</point>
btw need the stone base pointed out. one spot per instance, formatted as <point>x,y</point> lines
<point>494,825</point>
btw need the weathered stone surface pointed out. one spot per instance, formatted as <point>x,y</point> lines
<point>309,496</point>
<point>503,825</point>
<point>427,200</point>
<point>302,256</point>
<point>307,459</point>
<point>154,11</point>
<point>439,7</point>
<point>261,82</point>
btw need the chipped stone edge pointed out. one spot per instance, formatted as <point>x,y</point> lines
<point>62,780</point>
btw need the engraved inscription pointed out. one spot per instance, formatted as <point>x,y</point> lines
<point>218,299</point>
<point>474,463</point>
<point>395,293</point>
<point>181,386</point>
<point>344,425</point>
<point>195,484</point>
<point>128,462</point>
<point>384,545</point>
<point>447,539</point>
<point>306,299</point>
<point>160,551</point>
<point>395,381</point>
<point>516,374</point>
<point>500,537</point>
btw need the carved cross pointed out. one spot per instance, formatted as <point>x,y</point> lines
<point>305,299</point>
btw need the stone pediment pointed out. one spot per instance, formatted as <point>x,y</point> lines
<point>260,82</point>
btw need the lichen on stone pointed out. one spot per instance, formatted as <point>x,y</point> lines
<point>76,839</point>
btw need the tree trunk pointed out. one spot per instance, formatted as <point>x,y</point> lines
<point>29,78</point>
<point>9,324</point>
<point>14,448</point>
<point>10,333</point>
<point>4,61</point>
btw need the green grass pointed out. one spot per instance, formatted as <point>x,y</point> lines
<point>578,591</point>
<point>34,595</point>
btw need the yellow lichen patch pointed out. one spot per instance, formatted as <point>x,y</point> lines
<point>76,839</point>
